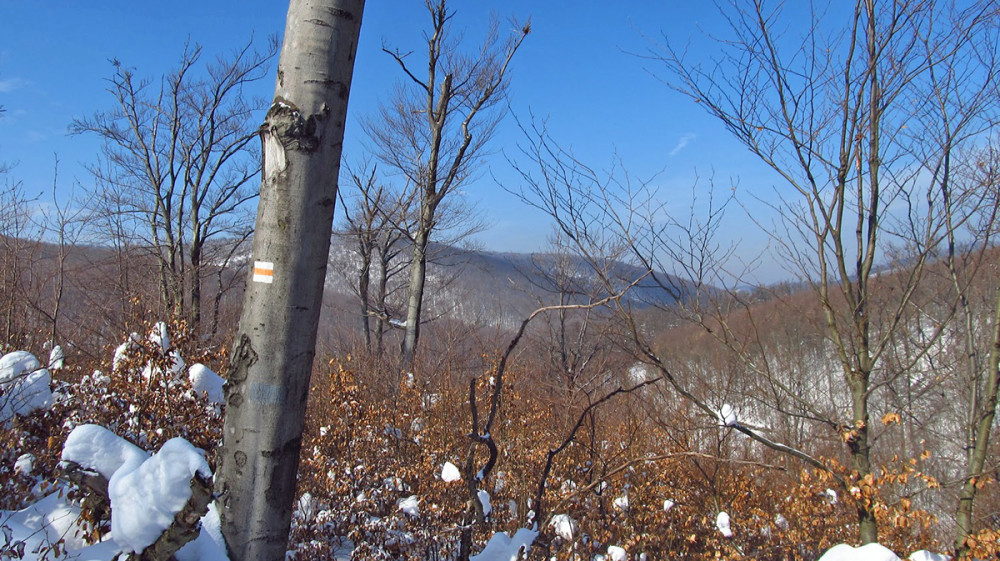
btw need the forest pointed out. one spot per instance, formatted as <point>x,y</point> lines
<point>199,363</point>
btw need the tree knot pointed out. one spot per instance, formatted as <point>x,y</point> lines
<point>285,122</point>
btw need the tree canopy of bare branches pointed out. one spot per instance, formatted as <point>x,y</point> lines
<point>435,127</point>
<point>179,159</point>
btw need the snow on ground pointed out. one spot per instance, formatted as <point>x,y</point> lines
<point>449,473</point>
<point>502,547</point>
<point>722,523</point>
<point>410,505</point>
<point>47,521</point>
<point>148,490</point>
<point>870,552</point>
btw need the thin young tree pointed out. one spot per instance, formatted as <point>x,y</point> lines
<point>272,359</point>
<point>434,130</point>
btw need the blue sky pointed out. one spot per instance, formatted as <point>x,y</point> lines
<point>575,69</point>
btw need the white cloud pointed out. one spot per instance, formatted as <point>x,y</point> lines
<point>682,144</point>
<point>10,84</point>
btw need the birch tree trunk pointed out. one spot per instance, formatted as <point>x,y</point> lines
<point>272,359</point>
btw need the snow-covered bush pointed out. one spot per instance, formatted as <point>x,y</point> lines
<point>25,387</point>
<point>139,393</point>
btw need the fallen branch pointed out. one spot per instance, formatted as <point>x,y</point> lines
<point>94,487</point>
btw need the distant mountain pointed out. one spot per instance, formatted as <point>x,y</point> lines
<point>495,289</point>
<point>473,287</point>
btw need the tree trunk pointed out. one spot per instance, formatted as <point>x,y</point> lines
<point>418,276</point>
<point>859,445</point>
<point>197,246</point>
<point>980,439</point>
<point>383,294</point>
<point>273,354</point>
<point>364,287</point>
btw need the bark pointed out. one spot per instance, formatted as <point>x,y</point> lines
<point>859,446</point>
<point>272,360</point>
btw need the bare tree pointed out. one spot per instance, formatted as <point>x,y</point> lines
<point>15,221</point>
<point>180,160</point>
<point>62,224</point>
<point>838,121</point>
<point>379,219</point>
<point>970,200</point>
<point>435,128</point>
<point>272,359</point>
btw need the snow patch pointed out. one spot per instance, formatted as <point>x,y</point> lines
<point>723,524</point>
<point>204,380</point>
<point>410,505</point>
<point>870,552</point>
<point>616,553</point>
<point>24,464</point>
<point>57,358</point>
<point>502,547</point>
<point>159,336</point>
<point>484,499</point>
<point>564,526</point>
<point>924,555</point>
<point>450,473</point>
<point>95,447</point>
<point>831,496</point>
<point>621,503</point>
<point>727,416</point>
